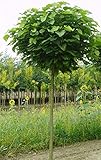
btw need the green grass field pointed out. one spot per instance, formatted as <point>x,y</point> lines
<point>29,131</point>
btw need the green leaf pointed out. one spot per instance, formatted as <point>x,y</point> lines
<point>60,33</point>
<point>54,29</point>
<point>73,54</point>
<point>63,47</point>
<point>68,28</point>
<point>34,24</point>
<point>6,37</point>
<point>42,31</point>
<point>52,39</point>
<point>80,31</point>
<point>23,23</point>
<point>34,30</point>
<point>69,40</point>
<point>78,98</point>
<point>43,18</point>
<point>68,12</point>
<point>32,41</point>
<point>77,37</point>
<point>45,40</point>
<point>36,33</point>
<point>47,7</point>
<point>52,15</point>
<point>97,53</point>
<point>51,22</point>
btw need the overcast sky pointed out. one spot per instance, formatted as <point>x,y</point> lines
<point>10,10</point>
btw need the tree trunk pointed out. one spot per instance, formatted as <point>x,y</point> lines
<point>43,98</point>
<point>34,97</point>
<point>65,94</point>
<point>95,92</point>
<point>31,100</point>
<point>40,95</point>
<point>21,96</point>
<point>19,99</point>
<point>61,97</point>
<point>55,95</point>
<point>0,98</point>
<point>51,115</point>
<point>4,97</point>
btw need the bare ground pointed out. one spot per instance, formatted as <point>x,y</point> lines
<point>90,150</point>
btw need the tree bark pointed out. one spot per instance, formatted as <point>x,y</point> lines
<point>51,115</point>
<point>0,98</point>
<point>19,99</point>
<point>40,95</point>
<point>65,94</point>
<point>31,100</point>
<point>4,97</point>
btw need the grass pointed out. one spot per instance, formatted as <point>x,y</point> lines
<point>29,131</point>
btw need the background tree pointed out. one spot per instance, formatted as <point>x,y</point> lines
<point>55,37</point>
<point>61,85</point>
<point>42,77</point>
<point>97,44</point>
<point>8,76</point>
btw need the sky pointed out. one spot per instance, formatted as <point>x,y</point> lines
<point>10,11</point>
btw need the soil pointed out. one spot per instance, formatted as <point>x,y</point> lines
<point>90,150</point>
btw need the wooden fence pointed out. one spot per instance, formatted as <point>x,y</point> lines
<point>36,98</point>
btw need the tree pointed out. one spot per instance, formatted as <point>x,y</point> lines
<point>55,37</point>
<point>8,75</point>
<point>42,77</point>
<point>61,84</point>
<point>97,43</point>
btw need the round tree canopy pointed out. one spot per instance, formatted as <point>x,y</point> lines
<point>56,36</point>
